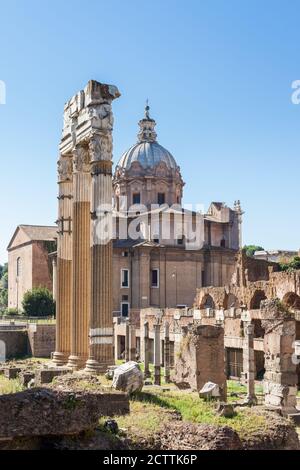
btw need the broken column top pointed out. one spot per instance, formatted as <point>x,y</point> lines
<point>94,93</point>
<point>86,113</point>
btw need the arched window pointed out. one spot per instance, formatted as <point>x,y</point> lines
<point>207,302</point>
<point>258,296</point>
<point>19,266</point>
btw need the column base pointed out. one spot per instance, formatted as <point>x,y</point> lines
<point>157,377</point>
<point>59,359</point>
<point>250,400</point>
<point>75,362</point>
<point>167,379</point>
<point>94,367</point>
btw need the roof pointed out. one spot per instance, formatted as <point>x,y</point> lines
<point>35,233</point>
<point>148,154</point>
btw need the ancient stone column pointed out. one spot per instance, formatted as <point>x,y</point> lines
<point>167,352</point>
<point>249,363</point>
<point>132,342</point>
<point>146,350</point>
<point>100,147</point>
<point>81,257</point>
<point>127,335</point>
<point>64,261</point>
<point>157,361</point>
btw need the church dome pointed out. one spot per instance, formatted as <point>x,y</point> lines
<point>148,154</point>
<point>147,151</point>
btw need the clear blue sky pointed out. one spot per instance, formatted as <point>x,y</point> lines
<point>218,77</point>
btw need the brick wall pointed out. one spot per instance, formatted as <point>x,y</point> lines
<point>41,340</point>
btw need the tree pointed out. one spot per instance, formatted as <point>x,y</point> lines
<point>3,287</point>
<point>251,249</point>
<point>293,264</point>
<point>3,269</point>
<point>38,302</point>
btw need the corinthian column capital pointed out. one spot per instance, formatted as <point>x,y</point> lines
<point>64,168</point>
<point>81,158</point>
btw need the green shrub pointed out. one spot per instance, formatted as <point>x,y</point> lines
<point>11,311</point>
<point>38,302</point>
<point>292,265</point>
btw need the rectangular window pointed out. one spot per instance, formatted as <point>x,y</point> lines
<point>124,309</point>
<point>136,198</point>
<point>124,277</point>
<point>155,278</point>
<point>161,198</point>
<point>234,362</point>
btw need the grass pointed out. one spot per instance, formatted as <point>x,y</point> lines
<point>235,387</point>
<point>143,422</point>
<point>150,410</point>
<point>9,386</point>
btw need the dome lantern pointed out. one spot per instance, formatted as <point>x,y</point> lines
<point>147,132</point>
<point>147,151</point>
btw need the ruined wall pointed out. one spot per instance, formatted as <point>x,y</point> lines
<point>280,379</point>
<point>16,342</point>
<point>41,340</point>
<point>201,358</point>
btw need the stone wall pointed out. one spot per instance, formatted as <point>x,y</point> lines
<point>201,358</point>
<point>35,340</point>
<point>41,340</point>
<point>16,342</point>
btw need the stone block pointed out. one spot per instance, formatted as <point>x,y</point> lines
<point>12,372</point>
<point>209,390</point>
<point>45,376</point>
<point>25,377</point>
<point>128,377</point>
<point>226,410</point>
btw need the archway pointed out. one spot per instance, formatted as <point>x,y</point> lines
<point>258,296</point>
<point>291,300</point>
<point>232,301</point>
<point>207,302</point>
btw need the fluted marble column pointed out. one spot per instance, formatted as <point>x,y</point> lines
<point>64,261</point>
<point>101,319</point>
<point>81,257</point>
